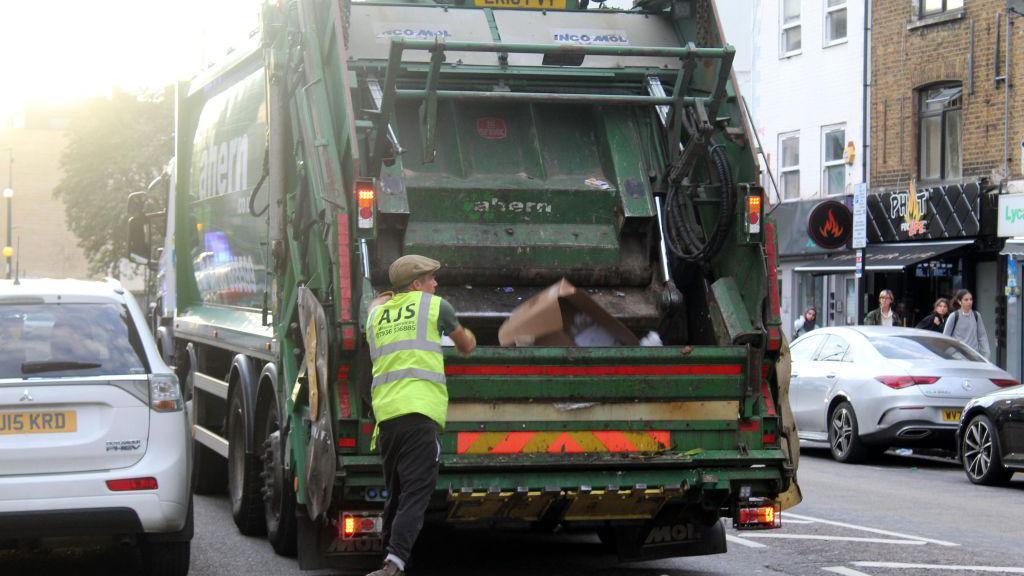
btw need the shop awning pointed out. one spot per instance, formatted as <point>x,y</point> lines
<point>885,257</point>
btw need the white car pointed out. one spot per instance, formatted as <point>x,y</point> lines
<point>94,438</point>
<point>863,389</point>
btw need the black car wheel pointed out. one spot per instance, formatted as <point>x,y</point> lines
<point>980,452</point>
<point>844,437</point>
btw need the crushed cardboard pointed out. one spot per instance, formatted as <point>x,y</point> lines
<point>563,315</point>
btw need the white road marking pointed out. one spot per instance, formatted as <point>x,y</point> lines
<point>873,530</point>
<point>844,571</point>
<point>744,542</point>
<point>787,520</point>
<point>996,569</point>
<point>839,539</point>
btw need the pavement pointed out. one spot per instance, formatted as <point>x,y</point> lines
<point>894,516</point>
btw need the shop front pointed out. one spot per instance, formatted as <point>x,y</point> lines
<point>927,242</point>
<point>832,293</point>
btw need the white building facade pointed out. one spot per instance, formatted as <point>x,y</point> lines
<point>807,97</point>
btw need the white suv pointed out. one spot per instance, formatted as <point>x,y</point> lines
<point>94,439</point>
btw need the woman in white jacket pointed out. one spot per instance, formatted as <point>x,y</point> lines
<point>805,323</point>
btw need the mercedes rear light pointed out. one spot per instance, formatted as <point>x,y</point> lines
<point>898,382</point>
<point>1004,382</point>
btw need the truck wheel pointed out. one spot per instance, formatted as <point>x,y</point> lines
<point>844,435</point>
<point>278,495</point>
<point>244,469</point>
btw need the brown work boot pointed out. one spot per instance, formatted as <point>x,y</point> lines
<point>389,569</point>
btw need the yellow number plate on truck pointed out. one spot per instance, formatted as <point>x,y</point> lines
<point>523,4</point>
<point>951,415</point>
<point>38,422</point>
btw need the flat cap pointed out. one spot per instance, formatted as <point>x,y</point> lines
<point>410,267</point>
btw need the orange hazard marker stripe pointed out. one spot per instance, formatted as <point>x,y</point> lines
<point>576,442</point>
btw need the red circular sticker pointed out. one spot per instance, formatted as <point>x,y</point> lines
<point>492,128</point>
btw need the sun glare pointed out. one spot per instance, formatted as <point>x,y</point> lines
<point>59,51</point>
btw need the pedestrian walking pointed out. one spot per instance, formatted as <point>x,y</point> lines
<point>409,396</point>
<point>884,315</point>
<point>965,323</point>
<point>936,321</point>
<point>805,323</point>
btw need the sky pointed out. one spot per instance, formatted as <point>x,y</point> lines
<point>60,51</point>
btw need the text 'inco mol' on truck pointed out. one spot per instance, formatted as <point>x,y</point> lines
<point>519,143</point>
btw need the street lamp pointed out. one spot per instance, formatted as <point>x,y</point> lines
<point>8,196</point>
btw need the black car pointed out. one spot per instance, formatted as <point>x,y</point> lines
<point>990,438</point>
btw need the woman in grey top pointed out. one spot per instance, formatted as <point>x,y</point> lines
<point>965,323</point>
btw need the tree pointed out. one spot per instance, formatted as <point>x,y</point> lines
<point>116,146</point>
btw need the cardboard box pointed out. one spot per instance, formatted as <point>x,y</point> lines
<point>553,318</point>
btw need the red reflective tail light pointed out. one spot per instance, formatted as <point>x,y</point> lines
<point>898,382</point>
<point>1004,382</point>
<point>127,484</point>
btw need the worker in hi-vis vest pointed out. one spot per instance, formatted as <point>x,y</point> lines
<point>410,399</point>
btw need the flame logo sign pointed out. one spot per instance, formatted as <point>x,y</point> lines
<point>832,228</point>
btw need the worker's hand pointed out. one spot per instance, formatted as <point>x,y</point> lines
<point>464,339</point>
<point>381,298</point>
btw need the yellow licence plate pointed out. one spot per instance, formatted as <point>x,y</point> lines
<point>38,422</point>
<point>951,415</point>
<point>522,4</point>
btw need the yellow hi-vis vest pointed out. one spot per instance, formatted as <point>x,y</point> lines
<point>408,365</point>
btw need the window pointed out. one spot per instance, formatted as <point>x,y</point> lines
<point>933,7</point>
<point>924,348</point>
<point>790,27</point>
<point>61,340</point>
<point>940,151</point>
<point>834,350</point>
<point>804,350</point>
<point>835,22</point>
<point>789,165</point>
<point>833,140</point>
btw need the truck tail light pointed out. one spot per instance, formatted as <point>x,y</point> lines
<point>898,382</point>
<point>360,525</point>
<point>366,196</point>
<point>753,221</point>
<point>760,516</point>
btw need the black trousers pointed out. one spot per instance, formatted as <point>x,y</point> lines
<point>411,449</point>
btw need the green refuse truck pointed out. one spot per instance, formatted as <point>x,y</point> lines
<point>588,179</point>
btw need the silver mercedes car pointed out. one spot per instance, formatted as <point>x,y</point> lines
<point>863,389</point>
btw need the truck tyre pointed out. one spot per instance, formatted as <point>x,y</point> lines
<point>278,495</point>
<point>844,435</point>
<point>244,482</point>
<point>166,558</point>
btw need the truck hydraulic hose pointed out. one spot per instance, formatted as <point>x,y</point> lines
<point>686,237</point>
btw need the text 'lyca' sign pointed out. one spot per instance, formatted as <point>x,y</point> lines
<point>1011,215</point>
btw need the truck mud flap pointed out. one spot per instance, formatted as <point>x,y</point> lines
<point>658,541</point>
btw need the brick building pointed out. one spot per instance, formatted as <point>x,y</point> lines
<point>946,135</point>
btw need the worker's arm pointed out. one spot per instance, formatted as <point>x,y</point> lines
<point>465,341</point>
